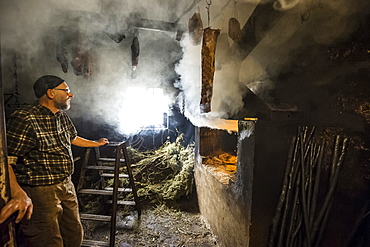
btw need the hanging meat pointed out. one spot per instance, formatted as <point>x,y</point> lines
<point>135,51</point>
<point>61,50</point>
<point>234,29</point>
<point>78,55</point>
<point>195,27</point>
<point>208,67</point>
<point>88,64</point>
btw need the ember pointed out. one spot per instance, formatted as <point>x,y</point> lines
<point>223,167</point>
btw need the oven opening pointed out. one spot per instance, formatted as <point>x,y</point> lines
<point>218,152</point>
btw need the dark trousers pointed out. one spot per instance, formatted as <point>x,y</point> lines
<point>55,221</point>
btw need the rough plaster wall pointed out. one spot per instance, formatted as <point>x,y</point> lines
<point>226,215</point>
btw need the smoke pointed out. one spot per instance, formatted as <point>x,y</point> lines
<point>31,30</point>
<point>285,4</point>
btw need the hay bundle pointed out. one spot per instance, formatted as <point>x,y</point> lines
<point>162,175</point>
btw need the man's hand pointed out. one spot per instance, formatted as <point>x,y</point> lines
<point>21,203</point>
<point>102,141</point>
<point>19,198</point>
<point>82,142</point>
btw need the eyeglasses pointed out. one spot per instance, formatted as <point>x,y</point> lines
<point>67,90</point>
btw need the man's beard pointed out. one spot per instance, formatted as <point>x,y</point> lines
<point>62,105</point>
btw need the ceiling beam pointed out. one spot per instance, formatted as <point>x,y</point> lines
<point>261,21</point>
<point>187,10</point>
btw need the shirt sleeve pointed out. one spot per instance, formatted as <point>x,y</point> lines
<point>72,128</point>
<point>20,135</point>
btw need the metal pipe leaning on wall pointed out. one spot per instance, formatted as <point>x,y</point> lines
<point>297,222</point>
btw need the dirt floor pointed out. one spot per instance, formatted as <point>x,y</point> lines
<point>159,226</point>
<point>165,186</point>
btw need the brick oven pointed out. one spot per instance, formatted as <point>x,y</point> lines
<point>239,175</point>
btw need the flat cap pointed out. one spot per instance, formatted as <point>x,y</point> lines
<point>46,82</point>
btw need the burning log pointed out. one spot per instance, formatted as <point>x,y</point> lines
<point>208,67</point>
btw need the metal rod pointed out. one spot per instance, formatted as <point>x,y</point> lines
<point>282,198</point>
<point>303,197</point>
<point>295,223</point>
<point>292,177</point>
<point>317,182</point>
<point>332,187</point>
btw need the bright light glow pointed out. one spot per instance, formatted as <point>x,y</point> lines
<point>142,108</point>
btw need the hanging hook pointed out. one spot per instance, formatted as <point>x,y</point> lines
<point>209,2</point>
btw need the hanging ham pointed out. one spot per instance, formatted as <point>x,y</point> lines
<point>61,49</point>
<point>195,27</point>
<point>234,29</point>
<point>208,67</point>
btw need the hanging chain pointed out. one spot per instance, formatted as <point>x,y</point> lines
<point>16,94</point>
<point>209,2</point>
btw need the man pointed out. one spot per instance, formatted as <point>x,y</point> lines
<point>40,136</point>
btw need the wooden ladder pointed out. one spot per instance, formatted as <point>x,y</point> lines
<point>107,171</point>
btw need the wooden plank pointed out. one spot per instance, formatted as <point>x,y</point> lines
<point>108,168</point>
<point>125,190</point>
<point>121,202</point>
<point>96,217</point>
<point>88,242</point>
<point>111,175</point>
<point>96,192</point>
<point>111,160</point>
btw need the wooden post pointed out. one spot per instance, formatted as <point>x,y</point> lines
<point>5,240</point>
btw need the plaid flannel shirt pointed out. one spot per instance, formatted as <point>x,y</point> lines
<point>43,139</point>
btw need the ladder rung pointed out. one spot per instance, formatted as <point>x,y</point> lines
<point>111,175</point>
<point>113,144</point>
<point>96,192</point>
<point>126,190</point>
<point>108,168</point>
<point>110,159</point>
<point>121,202</point>
<point>87,242</point>
<point>96,217</point>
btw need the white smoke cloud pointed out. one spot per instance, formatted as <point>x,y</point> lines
<point>29,28</point>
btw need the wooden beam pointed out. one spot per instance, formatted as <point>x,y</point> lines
<point>262,20</point>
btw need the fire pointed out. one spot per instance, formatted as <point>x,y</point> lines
<point>222,167</point>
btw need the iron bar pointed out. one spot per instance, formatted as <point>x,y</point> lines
<point>283,194</point>
<point>317,182</point>
<point>292,175</point>
<point>303,197</point>
<point>332,186</point>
